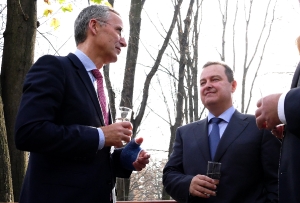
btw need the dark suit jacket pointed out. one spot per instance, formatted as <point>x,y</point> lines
<point>249,158</point>
<point>56,122</point>
<point>289,175</point>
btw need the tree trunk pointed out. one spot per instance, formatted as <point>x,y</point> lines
<point>128,82</point>
<point>122,189</point>
<point>132,52</point>
<point>182,63</point>
<point>18,52</point>
<point>110,92</point>
<point>183,44</point>
<point>195,81</point>
<point>111,2</point>
<point>138,119</point>
<point>6,188</point>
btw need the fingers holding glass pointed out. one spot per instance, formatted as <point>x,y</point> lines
<point>123,114</point>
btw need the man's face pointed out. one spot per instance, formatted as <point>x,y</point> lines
<point>215,89</point>
<point>109,38</point>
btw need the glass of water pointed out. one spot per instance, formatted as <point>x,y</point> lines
<point>123,114</point>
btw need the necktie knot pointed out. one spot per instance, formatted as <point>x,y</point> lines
<point>96,73</point>
<point>216,120</point>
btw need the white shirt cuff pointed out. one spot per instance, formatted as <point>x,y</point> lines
<point>280,108</point>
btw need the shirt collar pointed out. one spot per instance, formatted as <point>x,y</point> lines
<point>226,115</point>
<point>85,60</point>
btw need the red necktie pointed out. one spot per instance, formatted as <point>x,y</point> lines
<point>101,95</point>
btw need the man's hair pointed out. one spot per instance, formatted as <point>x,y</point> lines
<point>99,12</point>
<point>228,70</point>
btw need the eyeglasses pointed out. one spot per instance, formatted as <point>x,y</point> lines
<point>118,28</point>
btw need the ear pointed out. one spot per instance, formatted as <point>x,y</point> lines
<point>93,28</point>
<point>233,86</point>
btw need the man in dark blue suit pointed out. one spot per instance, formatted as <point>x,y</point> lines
<point>249,156</point>
<point>285,109</point>
<point>62,124</point>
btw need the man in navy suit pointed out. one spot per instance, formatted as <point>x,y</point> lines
<point>61,123</point>
<point>249,156</point>
<point>285,109</point>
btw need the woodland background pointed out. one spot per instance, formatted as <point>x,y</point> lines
<point>157,75</point>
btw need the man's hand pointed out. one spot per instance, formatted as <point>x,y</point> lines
<point>267,113</point>
<point>116,133</point>
<point>203,186</point>
<point>143,158</point>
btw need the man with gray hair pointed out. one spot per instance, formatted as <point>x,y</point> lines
<point>64,119</point>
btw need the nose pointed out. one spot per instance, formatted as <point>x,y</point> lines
<point>207,85</point>
<point>123,42</point>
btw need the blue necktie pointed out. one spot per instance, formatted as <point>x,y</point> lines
<point>214,136</point>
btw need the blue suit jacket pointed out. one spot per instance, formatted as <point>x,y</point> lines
<point>289,175</point>
<point>249,158</point>
<point>56,123</point>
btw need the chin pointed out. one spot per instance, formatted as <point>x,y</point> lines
<point>113,59</point>
<point>209,102</point>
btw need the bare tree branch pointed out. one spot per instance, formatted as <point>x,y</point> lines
<point>263,50</point>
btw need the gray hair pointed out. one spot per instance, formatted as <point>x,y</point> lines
<point>98,12</point>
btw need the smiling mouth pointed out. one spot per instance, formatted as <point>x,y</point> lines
<point>207,93</point>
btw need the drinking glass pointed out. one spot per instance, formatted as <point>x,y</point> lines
<point>278,131</point>
<point>123,114</point>
<point>214,170</point>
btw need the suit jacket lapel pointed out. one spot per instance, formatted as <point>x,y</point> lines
<point>201,136</point>
<point>234,129</point>
<point>88,84</point>
<point>296,77</point>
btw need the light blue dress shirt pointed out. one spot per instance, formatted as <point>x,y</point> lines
<point>226,116</point>
<point>89,65</point>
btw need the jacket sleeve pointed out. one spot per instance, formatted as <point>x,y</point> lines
<point>177,183</point>
<point>292,110</point>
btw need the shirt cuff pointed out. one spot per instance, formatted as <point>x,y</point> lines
<point>101,139</point>
<point>280,108</point>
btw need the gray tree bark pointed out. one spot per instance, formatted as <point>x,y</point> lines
<point>6,187</point>
<point>183,44</point>
<point>18,52</point>
<point>128,82</point>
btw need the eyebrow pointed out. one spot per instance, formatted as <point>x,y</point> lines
<point>219,76</point>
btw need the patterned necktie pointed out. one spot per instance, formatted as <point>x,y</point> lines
<point>214,136</point>
<point>101,95</point>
